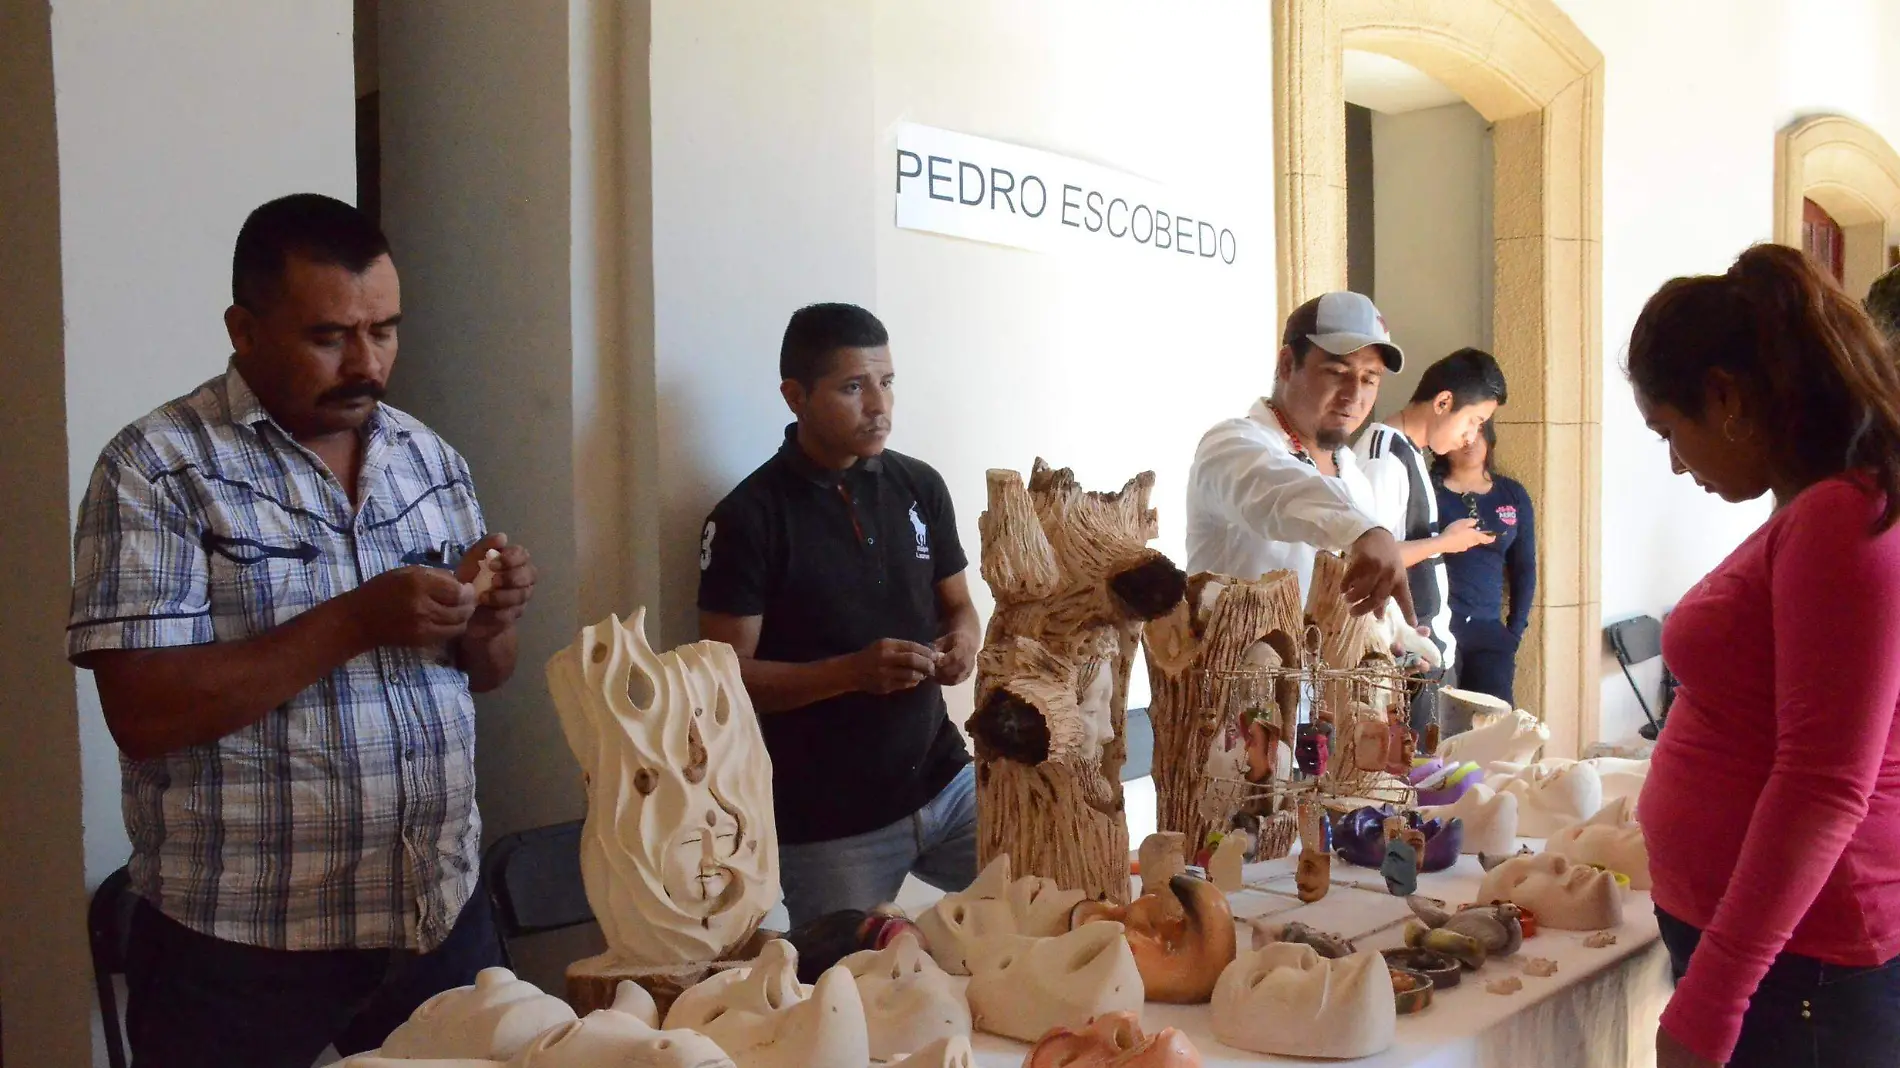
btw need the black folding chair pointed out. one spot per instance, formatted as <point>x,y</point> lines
<point>534,882</point>
<point>1637,641</point>
<point>109,926</point>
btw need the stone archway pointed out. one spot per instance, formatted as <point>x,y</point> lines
<point>1853,173</point>
<point>1528,70</point>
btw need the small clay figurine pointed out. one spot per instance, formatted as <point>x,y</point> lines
<point>1311,751</point>
<point>1489,861</point>
<point>1600,940</point>
<point>1400,867</point>
<point>1182,935</point>
<point>1223,868</point>
<point>1330,946</point>
<point>1162,857</point>
<point>1314,875</point>
<point>1496,927</point>
<point>485,572</point>
<point>1540,967</point>
<point>1462,948</point>
<point>1113,1040</point>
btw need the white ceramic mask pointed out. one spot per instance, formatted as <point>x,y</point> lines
<point>492,1019</point>
<point>1284,999</point>
<point>909,1002</point>
<point>993,906</point>
<point>1513,737</point>
<point>763,1018</point>
<point>1609,839</point>
<point>1562,895</point>
<point>679,853</point>
<point>1490,819</point>
<point>1550,800</point>
<point>621,1036</point>
<point>1020,986</point>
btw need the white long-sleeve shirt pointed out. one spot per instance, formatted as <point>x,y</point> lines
<point>1386,472</point>
<point>1254,507</point>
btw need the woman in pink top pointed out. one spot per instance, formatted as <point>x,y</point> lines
<point>1772,810</point>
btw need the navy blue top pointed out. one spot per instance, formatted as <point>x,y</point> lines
<point>1480,576</point>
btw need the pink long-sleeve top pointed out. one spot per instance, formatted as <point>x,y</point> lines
<point>1772,810</point>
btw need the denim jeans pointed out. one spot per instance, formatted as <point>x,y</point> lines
<point>1807,1013</point>
<point>194,1001</point>
<point>937,843</point>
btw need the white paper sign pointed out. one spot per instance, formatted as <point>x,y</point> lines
<point>972,187</point>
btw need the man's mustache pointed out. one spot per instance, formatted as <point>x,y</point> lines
<point>351,391</point>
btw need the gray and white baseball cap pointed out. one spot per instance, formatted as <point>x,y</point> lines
<point>1343,323</point>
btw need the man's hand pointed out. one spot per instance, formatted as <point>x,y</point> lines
<point>957,657</point>
<point>511,586</point>
<point>890,664</point>
<point>1673,1054</point>
<point>1374,572</point>
<point>1464,534</point>
<point>413,607</point>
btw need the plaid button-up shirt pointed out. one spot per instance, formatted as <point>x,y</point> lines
<point>345,818</point>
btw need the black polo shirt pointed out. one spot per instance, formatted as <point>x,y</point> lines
<point>833,561</point>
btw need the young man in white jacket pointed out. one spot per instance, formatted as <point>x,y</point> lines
<point>1273,488</point>
<point>1454,398</point>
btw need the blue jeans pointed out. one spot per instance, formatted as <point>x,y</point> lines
<point>194,1001</point>
<point>937,843</point>
<point>1807,1013</point>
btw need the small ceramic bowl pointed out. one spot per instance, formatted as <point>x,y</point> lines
<point>1443,971</point>
<point>1411,992</point>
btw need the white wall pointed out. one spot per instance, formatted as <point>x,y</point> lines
<point>1432,259</point>
<point>1688,181</point>
<point>173,121</point>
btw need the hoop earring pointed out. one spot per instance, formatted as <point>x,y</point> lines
<point>1728,431</point>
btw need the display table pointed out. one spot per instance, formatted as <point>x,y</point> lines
<point>1598,1011</point>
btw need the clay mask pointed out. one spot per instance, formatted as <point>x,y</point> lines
<point>1489,818</point>
<point>1609,839</point>
<point>993,906</point>
<point>1020,987</point>
<point>1113,1041</point>
<point>1515,737</point>
<point>493,1019</point>
<point>951,1052</point>
<point>763,1018</point>
<point>1560,894</point>
<point>618,1036</point>
<point>679,853</point>
<point>1182,936</point>
<point>909,1002</point>
<point>1285,999</point>
<point>1548,800</point>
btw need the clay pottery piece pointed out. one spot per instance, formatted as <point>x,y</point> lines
<point>1313,876</point>
<point>492,1019</point>
<point>1020,986</point>
<point>1181,935</point>
<point>763,1018</point>
<point>1565,896</point>
<point>1609,839</point>
<point>1411,992</point>
<point>621,1035</point>
<point>1330,946</point>
<point>1113,1041</point>
<point>1462,948</point>
<point>1443,971</point>
<point>909,1002</point>
<point>1286,1000</point>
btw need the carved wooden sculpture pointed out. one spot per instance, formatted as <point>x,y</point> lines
<point>1224,626</point>
<point>680,852</point>
<point>1074,580</point>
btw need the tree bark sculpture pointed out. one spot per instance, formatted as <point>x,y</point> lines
<point>1197,700</point>
<point>1074,580</point>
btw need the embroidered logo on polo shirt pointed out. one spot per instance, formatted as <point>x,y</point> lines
<point>1507,514</point>
<point>705,545</point>
<point>923,535</point>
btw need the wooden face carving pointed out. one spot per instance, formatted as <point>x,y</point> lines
<point>909,1002</point>
<point>764,1018</point>
<point>1181,935</point>
<point>1113,1041</point>
<point>492,1019</point>
<point>680,853</point>
<point>1286,999</point>
<point>1572,897</point>
<point>619,1037</point>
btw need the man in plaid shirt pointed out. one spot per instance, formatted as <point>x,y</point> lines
<point>275,587</point>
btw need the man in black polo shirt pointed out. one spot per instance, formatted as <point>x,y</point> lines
<point>835,572</point>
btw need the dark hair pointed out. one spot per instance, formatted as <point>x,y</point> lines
<point>1471,376</point>
<point>1883,306</point>
<point>1441,465</point>
<point>818,330</point>
<point>1303,322</point>
<point>1805,355</point>
<point>321,229</point>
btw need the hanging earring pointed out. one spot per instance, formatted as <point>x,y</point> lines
<point>1728,431</point>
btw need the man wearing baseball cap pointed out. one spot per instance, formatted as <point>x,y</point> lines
<point>1272,489</point>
